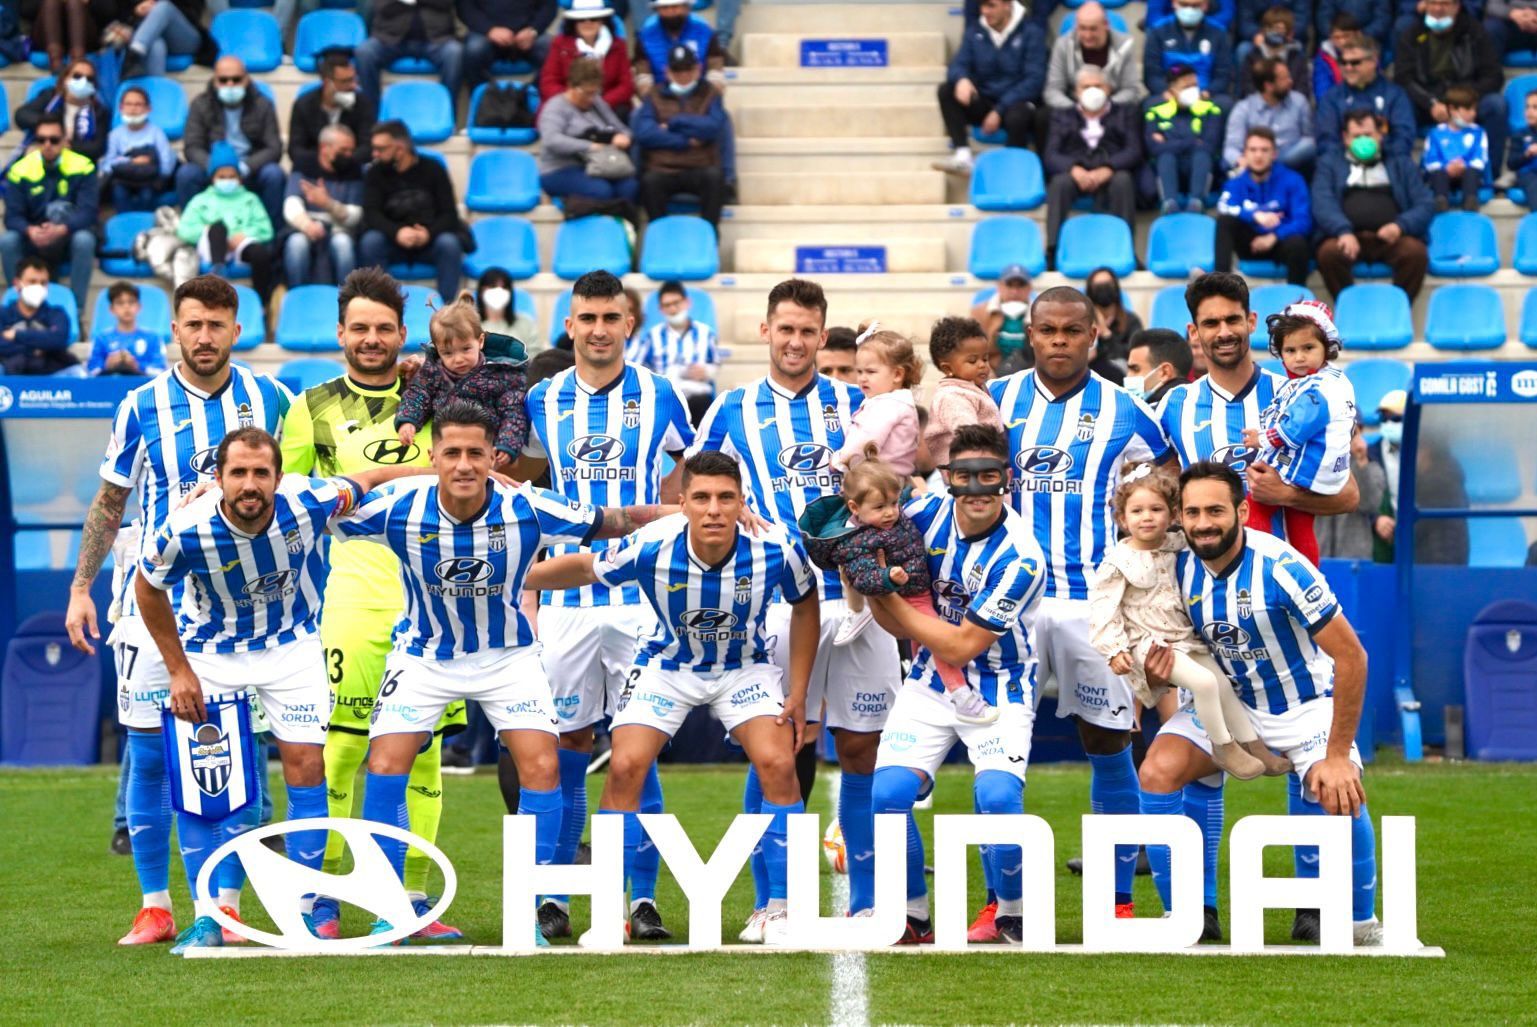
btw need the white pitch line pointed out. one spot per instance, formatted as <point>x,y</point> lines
<point>848,1001</point>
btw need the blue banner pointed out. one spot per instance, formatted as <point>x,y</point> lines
<point>212,764</point>
<point>844,53</point>
<point>1475,381</point>
<point>64,397</point>
<point>840,260</point>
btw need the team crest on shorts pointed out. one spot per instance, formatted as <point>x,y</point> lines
<point>830,417</point>
<point>496,538</point>
<point>1085,431</point>
<point>631,413</point>
<point>743,591</point>
<point>1245,604</point>
<point>212,761</point>
<point>246,415</point>
<point>294,541</point>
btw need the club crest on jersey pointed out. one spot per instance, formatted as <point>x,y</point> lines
<point>1085,432</point>
<point>830,418</point>
<point>496,538</point>
<point>212,760</point>
<point>743,590</point>
<point>246,415</point>
<point>630,415</point>
<point>1245,604</point>
<point>294,541</point>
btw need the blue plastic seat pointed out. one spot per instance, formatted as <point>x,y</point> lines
<point>253,36</point>
<point>421,302</point>
<point>5,110</point>
<point>167,103</point>
<point>1373,378</point>
<point>588,244</point>
<point>1515,98</point>
<point>50,697</point>
<point>427,108</point>
<point>1374,316</point>
<point>41,84</point>
<point>307,371</point>
<point>1116,21</point>
<point>1529,318</point>
<point>60,296</point>
<point>506,242</point>
<point>1178,242</point>
<point>322,30</point>
<point>1005,239</point>
<point>1491,469</point>
<point>1169,310</point>
<point>680,246</point>
<point>1526,245</point>
<point>1373,269</point>
<point>1089,241</point>
<point>558,315</point>
<point>501,136</point>
<point>1008,179</point>
<point>1496,542</point>
<point>117,244</point>
<point>307,322</point>
<point>502,182</point>
<point>1272,299</point>
<point>413,66</point>
<point>154,311</point>
<point>1465,317</point>
<point>251,318</point>
<point>1463,245</point>
<point>995,138</point>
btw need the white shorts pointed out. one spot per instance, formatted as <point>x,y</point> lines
<point>922,728</point>
<point>587,652</point>
<point>1086,687</point>
<point>1301,734</point>
<point>143,683</point>
<point>509,684</point>
<point>661,699</point>
<point>288,680</point>
<point>856,681</point>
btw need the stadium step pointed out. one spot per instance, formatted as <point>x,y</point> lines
<point>820,188</point>
<point>784,49</point>
<point>866,120</point>
<point>779,255</point>
<point>850,19</point>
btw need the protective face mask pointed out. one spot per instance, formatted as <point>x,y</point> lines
<point>135,120</point>
<point>674,23</point>
<point>1438,24</point>
<point>1102,294</point>
<point>81,88</point>
<point>345,100</point>
<point>678,321</point>
<point>226,185</point>
<point>1013,309</point>
<point>1093,99</point>
<point>232,96</point>
<point>496,298</point>
<point>1365,149</point>
<point>1393,432</point>
<point>1189,17</point>
<point>1461,123</point>
<point>1136,385</point>
<point>1188,97</point>
<point>34,296</point>
<point>679,89</point>
<point>1275,39</point>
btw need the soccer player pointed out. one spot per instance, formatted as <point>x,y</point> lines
<point>164,436</point>
<point>1276,629</point>
<point>252,552</point>
<point>784,430</point>
<point>988,574</point>
<point>337,428</point>
<point>604,430</point>
<point>1069,433</point>
<point>465,543</point>
<point>710,585</point>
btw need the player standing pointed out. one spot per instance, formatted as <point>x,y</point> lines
<point>164,437</point>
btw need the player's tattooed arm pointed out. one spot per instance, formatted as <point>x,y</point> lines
<point>574,570</point>
<point>619,521</point>
<point>96,537</point>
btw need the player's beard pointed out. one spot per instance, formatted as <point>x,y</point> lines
<point>1208,550</point>
<point>243,509</point>
<point>208,362</point>
<point>374,361</point>
<point>1229,360</point>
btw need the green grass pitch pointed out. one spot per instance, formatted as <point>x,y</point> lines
<point>66,901</point>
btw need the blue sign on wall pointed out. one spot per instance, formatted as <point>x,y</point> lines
<point>1457,381</point>
<point>844,53</point>
<point>64,397</point>
<point>840,260</point>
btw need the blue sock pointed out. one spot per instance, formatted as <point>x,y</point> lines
<point>1363,848</point>
<point>987,864</point>
<point>633,833</point>
<point>573,806</point>
<point>231,873</point>
<point>544,807</point>
<point>776,846</point>
<point>304,802</point>
<point>648,860</point>
<point>996,792</point>
<point>1154,804</point>
<point>198,836</point>
<point>1304,857</point>
<point>120,808</point>
<point>1113,788</point>
<point>752,802</point>
<point>149,811</point>
<point>895,791</point>
<point>1204,805</point>
<point>858,825</point>
<point>384,801</point>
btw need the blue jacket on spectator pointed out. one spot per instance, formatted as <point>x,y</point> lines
<point>1221,14</point>
<point>1447,143</point>
<point>1375,16</point>
<point>653,43</point>
<point>1207,50</point>
<point>31,187</point>
<point>1386,98</point>
<point>1517,160</point>
<point>650,135</point>
<point>47,329</point>
<point>1007,74</point>
<point>1416,203</point>
<point>1283,192</point>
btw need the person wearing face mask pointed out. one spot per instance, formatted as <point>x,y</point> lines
<point>1278,107</point>
<point>1094,41</point>
<point>1157,362</point>
<point>1189,39</point>
<point>1115,324</point>
<point>228,223</point>
<point>87,120</point>
<point>1182,134</point>
<point>51,206</point>
<point>34,334</point>
<point>1223,14</point>
<point>994,81</point>
<point>1457,153</point>
<point>1005,318</point>
<point>338,101</point>
<point>139,163</point>
<point>681,349</point>
<point>1370,206</point>
<point>1389,451</point>
<point>678,128</point>
<point>671,26</point>
<point>323,214</point>
<point>588,32</point>
<point>503,30</point>
<point>494,295</point>
<point>1092,149</point>
<point>232,110</point>
<point>1450,48</point>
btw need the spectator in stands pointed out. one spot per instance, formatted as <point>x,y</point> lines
<point>1327,69</point>
<point>1511,25</point>
<point>86,120</point>
<point>51,205</point>
<point>1349,536</point>
<point>1188,40</point>
<point>232,110</point>
<point>163,28</point>
<point>1114,322</point>
<point>411,28</point>
<point>1275,37</point>
<point>683,349</point>
<point>75,24</point>
<point>125,348</point>
<point>1278,107</point>
<point>1157,361</point>
<point>1373,17</point>
<point>140,162</point>
<point>229,223</point>
<point>1182,136</point>
<point>1522,159</point>
<point>499,314</point>
<point>1364,88</point>
<point>994,82</point>
<point>1092,149</point>
<point>337,102</point>
<point>836,357</point>
<point>34,334</point>
<point>410,212</point>
<point>1264,213</point>
<point>1457,152</point>
<point>1005,318</point>
<point>503,30</point>
<point>573,125</point>
<point>588,32</point>
<point>1389,452</point>
<point>1223,17</point>
<point>637,313</point>
<point>1093,41</point>
<point>678,131</point>
<point>674,26</point>
<point>1452,49</point>
<point>324,213</point>
<point>1370,206</point>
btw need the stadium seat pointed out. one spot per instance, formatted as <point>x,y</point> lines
<point>1089,241</point>
<point>502,182</point>
<point>1271,364</point>
<point>154,311</point>
<point>167,103</point>
<point>307,322</point>
<point>5,110</point>
<point>1117,22</point>
<point>1464,317</point>
<point>251,318</point>
<point>253,36</point>
<point>1008,179</point>
<point>116,251</point>
<point>321,30</point>
<point>1373,378</point>
<point>1272,299</point>
<point>507,242</point>
<point>589,243</point>
<point>425,107</point>
<point>1005,239</point>
<point>40,85</point>
<point>1491,469</point>
<point>60,296</point>
<point>680,246</point>
<point>420,304</point>
<point>501,136</point>
<point>50,697</point>
<point>1526,245</point>
<point>994,138</point>
<point>1178,242</point>
<point>1529,318</point>
<point>308,371</point>
<point>558,315</point>
<point>1496,542</point>
<point>1515,97</point>
<point>413,66</point>
<point>1374,316</point>
<point>1463,245</point>
<point>1169,310</point>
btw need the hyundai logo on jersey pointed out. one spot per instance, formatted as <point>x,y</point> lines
<point>805,457</point>
<point>1038,460</point>
<point>596,449</point>
<point>462,570</point>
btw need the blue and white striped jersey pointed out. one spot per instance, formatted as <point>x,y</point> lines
<point>1258,618</point>
<point>1068,451</point>
<point>245,592</point>
<point>709,617</point>
<point>785,443</point>
<point>605,448</point>
<point>1205,423</point>
<point>993,580</point>
<point>166,432</point>
<point>1306,431</point>
<point>669,352</point>
<point>463,579</point>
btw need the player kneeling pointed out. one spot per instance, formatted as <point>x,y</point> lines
<point>710,584</point>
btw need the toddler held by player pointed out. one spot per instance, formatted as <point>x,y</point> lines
<point>959,348</point>
<point>1135,604</point>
